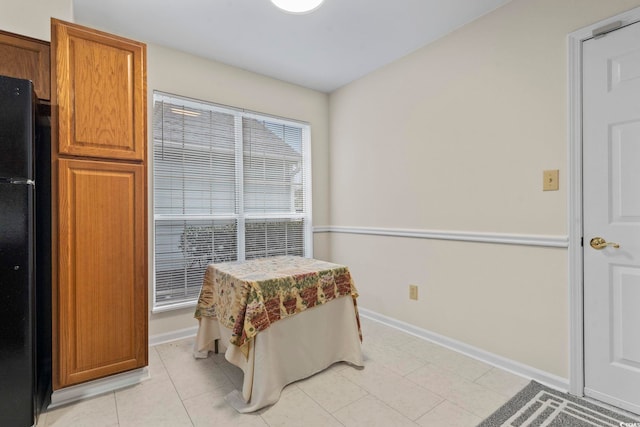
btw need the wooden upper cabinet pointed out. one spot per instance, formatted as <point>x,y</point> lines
<point>26,58</point>
<point>99,85</point>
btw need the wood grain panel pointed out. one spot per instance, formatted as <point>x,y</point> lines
<point>26,58</point>
<point>101,93</point>
<point>102,289</point>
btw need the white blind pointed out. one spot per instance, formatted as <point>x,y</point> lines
<point>194,159</point>
<point>276,236</point>
<point>273,167</point>
<point>228,185</point>
<point>182,251</point>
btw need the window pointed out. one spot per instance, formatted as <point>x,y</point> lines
<point>228,185</point>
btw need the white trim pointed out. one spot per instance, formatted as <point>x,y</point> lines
<point>574,136</point>
<point>308,191</point>
<point>195,217</point>
<point>115,382</point>
<point>464,236</point>
<point>74,393</point>
<point>268,216</point>
<point>172,336</point>
<point>90,389</point>
<point>239,146</point>
<point>174,306</point>
<point>501,362</point>
<point>616,403</point>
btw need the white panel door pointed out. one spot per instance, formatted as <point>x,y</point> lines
<point>611,195</point>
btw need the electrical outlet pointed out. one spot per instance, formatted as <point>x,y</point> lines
<point>413,292</point>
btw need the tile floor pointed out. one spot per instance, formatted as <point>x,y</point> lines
<point>406,382</point>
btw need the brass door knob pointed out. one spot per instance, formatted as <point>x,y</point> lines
<point>599,243</point>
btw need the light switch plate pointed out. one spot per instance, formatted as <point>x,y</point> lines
<point>550,180</point>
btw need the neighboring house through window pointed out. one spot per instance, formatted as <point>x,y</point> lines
<point>228,185</point>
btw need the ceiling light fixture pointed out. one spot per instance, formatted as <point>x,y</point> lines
<point>298,6</point>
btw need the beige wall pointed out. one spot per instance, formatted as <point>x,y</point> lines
<point>508,300</point>
<point>454,137</point>
<point>187,75</point>
<point>32,17</point>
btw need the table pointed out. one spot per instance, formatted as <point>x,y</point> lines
<point>284,318</point>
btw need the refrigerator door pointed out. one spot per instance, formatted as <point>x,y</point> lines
<point>17,128</point>
<point>17,304</point>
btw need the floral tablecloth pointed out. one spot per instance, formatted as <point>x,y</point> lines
<point>247,297</point>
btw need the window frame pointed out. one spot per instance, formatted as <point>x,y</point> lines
<point>241,217</point>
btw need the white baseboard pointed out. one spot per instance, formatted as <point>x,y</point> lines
<point>501,362</point>
<point>172,336</point>
<point>89,389</point>
<point>105,385</point>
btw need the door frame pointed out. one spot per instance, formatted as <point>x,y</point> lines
<point>575,223</point>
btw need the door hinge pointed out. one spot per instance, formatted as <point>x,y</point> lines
<point>582,241</point>
<point>605,29</point>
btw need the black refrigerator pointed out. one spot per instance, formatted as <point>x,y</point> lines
<point>25,255</point>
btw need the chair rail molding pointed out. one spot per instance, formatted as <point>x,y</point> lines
<point>550,241</point>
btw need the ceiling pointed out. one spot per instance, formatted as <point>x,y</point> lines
<point>324,50</point>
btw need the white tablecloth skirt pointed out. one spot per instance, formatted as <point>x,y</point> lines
<point>289,350</point>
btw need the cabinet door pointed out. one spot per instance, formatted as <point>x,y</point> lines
<point>102,287</point>
<point>26,58</point>
<point>100,93</point>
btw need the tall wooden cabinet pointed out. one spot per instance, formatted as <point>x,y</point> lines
<point>99,158</point>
